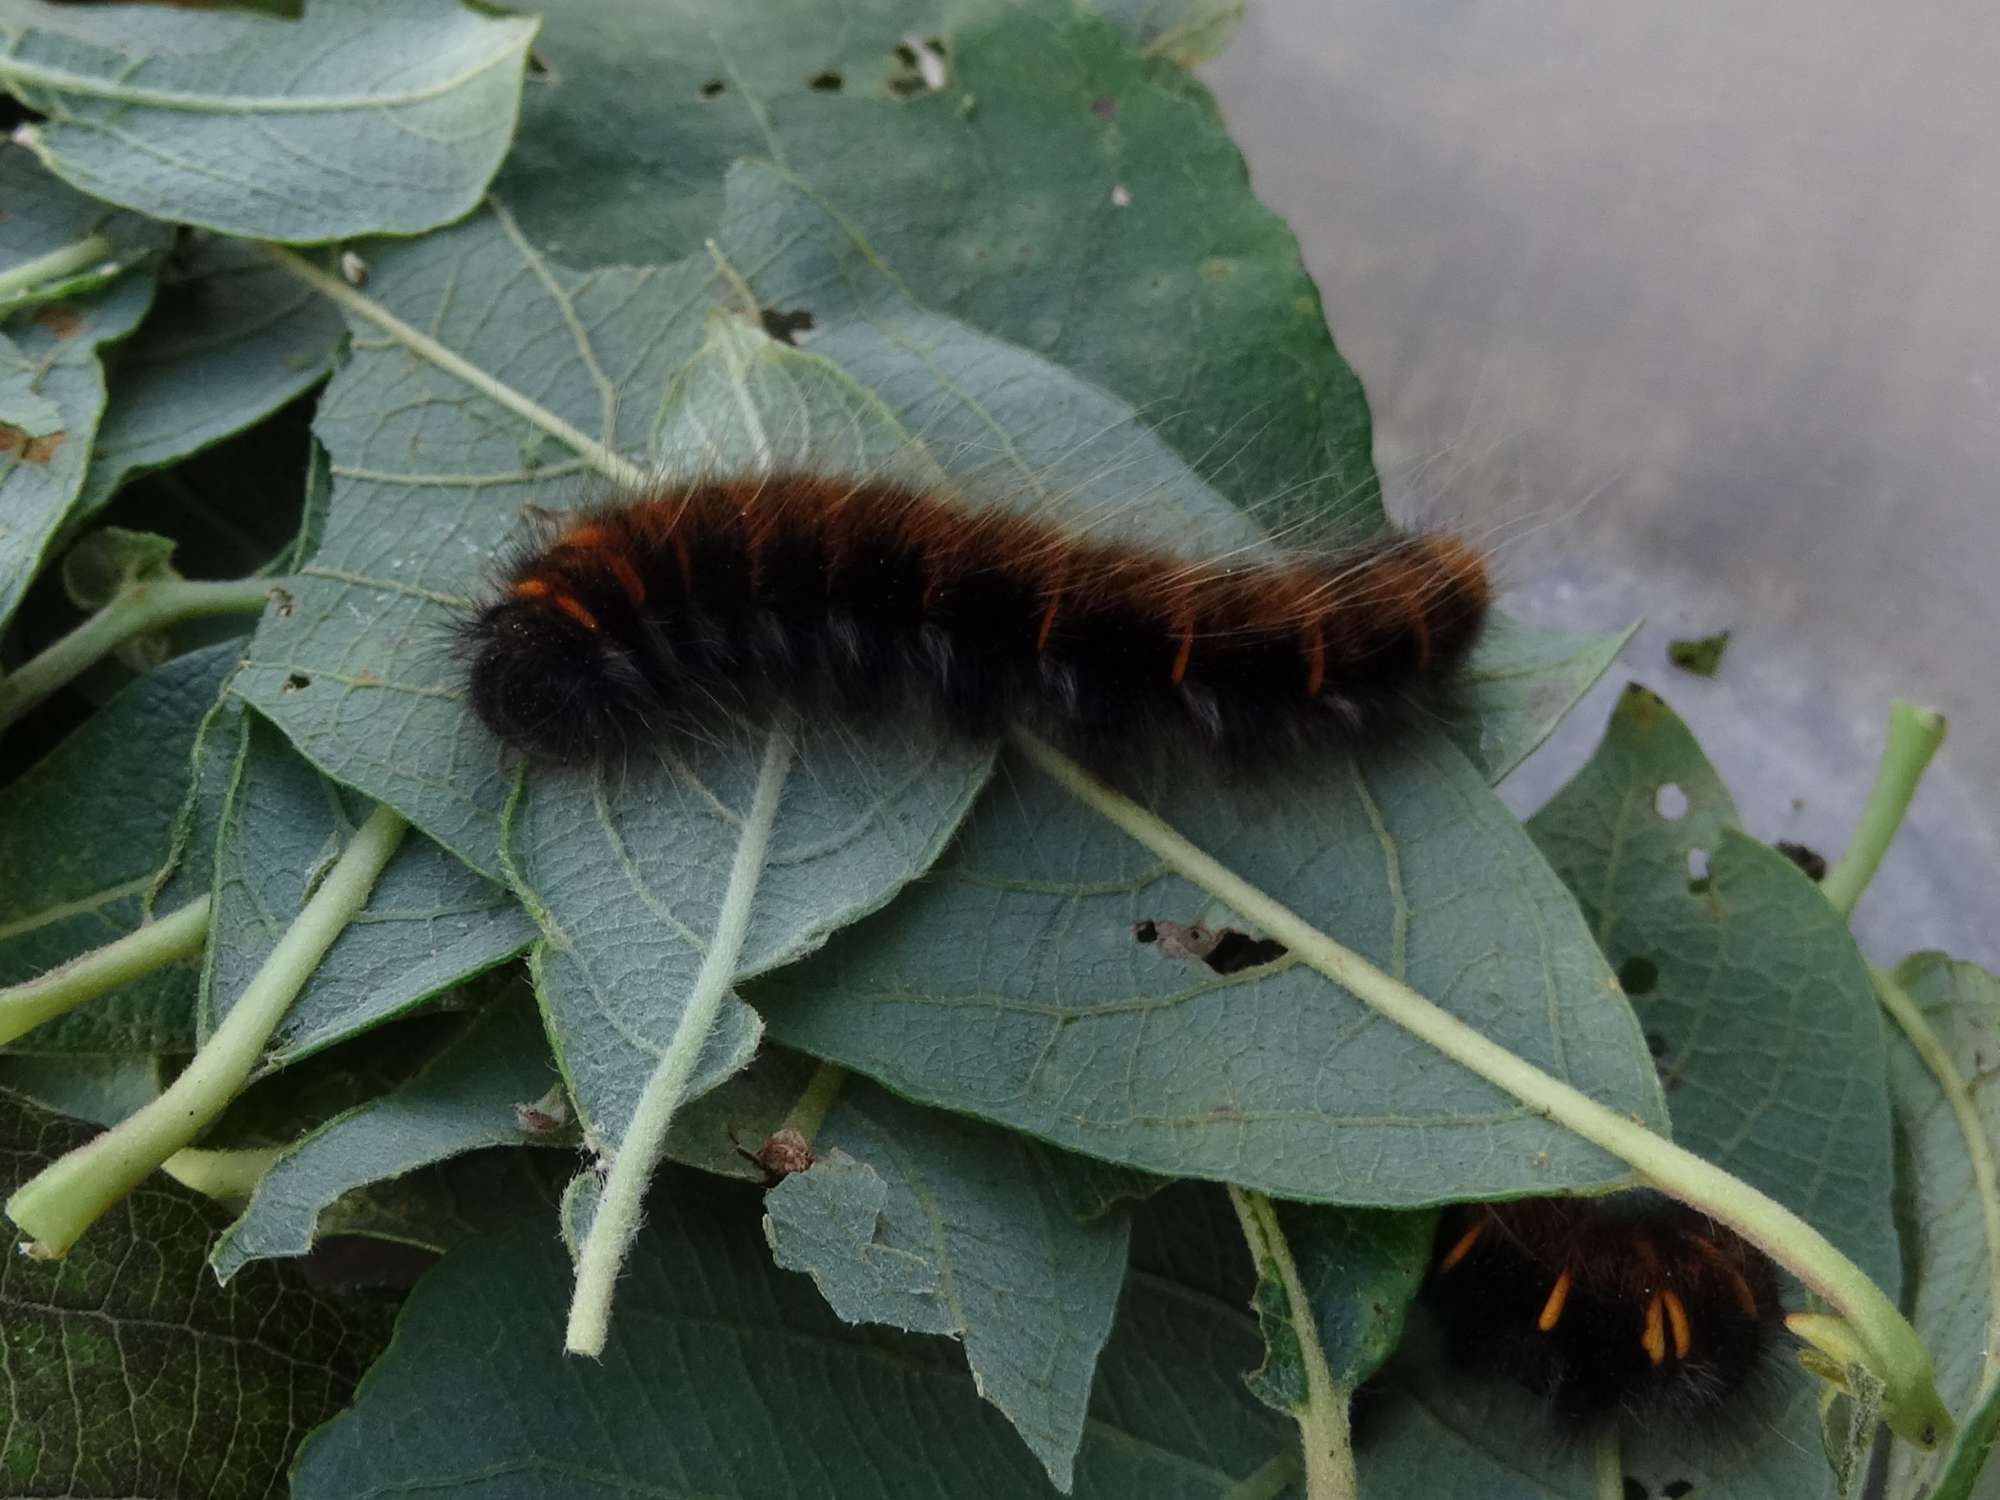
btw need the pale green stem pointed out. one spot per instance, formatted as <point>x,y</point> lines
<point>809,1110</point>
<point>66,1197</point>
<point>1324,1436</point>
<point>137,609</point>
<point>179,935</point>
<point>618,1210</point>
<point>222,1174</point>
<point>418,342</point>
<point>1914,736</point>
<point>1914,1409</point>
<point>64,260</point>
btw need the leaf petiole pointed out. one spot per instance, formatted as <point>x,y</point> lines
<point>135,610</point>
<point>1324,1435</point>
<point>152,946</point>
<point>616,1221</point>
<point>1914,736</point>
<point>67,1196</point>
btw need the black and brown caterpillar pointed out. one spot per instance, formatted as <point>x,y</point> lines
<point>860,597</point>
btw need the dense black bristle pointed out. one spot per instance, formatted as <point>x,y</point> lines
<point>862,597</point>
<point>1632,1303</point>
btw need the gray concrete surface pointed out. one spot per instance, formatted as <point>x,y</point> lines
<point>1696,310</point>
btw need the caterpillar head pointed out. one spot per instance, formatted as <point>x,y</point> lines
<point>552,684</point>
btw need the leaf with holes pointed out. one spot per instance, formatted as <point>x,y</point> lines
<point>1019,167</point>
<point>1009,985</point>
<point>350,119</point>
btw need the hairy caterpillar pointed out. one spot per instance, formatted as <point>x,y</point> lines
<point>864,596</point>
<point>1631,1303</point>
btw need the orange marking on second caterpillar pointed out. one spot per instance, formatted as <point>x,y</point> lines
<point>1048,623</point>
<point>1677,1319</point>
<point>1463,1247</point>
<point>1552,1310</point>
<point>1654,1337</point>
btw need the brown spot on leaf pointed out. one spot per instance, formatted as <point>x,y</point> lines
<point>35,450</point>
<point>64,321</point>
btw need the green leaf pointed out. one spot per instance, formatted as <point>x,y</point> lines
<point>50,376</point>
<point>129,1372</point>
<point>1360,1268</point>
<point>1009,985</point>
<point>466,1097</point>
<point>1771,1049</point>
<point>1943,1205</point>
<point>1518,686</point>
<point>990,199</point>
<point>71,883</point>
<point>704,1391</point>
<point>360,117</point>
<point>429,924</point>
<point>102,1090</point>
<point>232,340</point>
<point>935,1224</point>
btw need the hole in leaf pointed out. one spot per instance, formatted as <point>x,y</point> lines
<point>1670,802</point>
<point>713,88</point>
<point>1656,1045</point>
<point>1635,1490</point>
<point>781,325</point>
<point>1697,864</point>
<point>828,82</point>
<point>1677,1489</point>
<point>1224,950</point>
<point>297,682</point>
<point>1638,975</point>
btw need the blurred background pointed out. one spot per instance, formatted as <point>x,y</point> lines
<point>1698,308</point>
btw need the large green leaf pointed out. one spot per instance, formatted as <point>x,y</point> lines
<point>1059,191</point>
<point>936,1224</point>
<point>232,340</point>
<point>359,117</point>
<point>727,1377</point>
<point>1943,1205</point>
<point>51,380</point>
<point>429,923</point>
<point>1009,985</point>
<point>128,1372</point>
<point>70,883</point>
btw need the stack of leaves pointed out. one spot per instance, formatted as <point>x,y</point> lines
<point>304,313</point>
